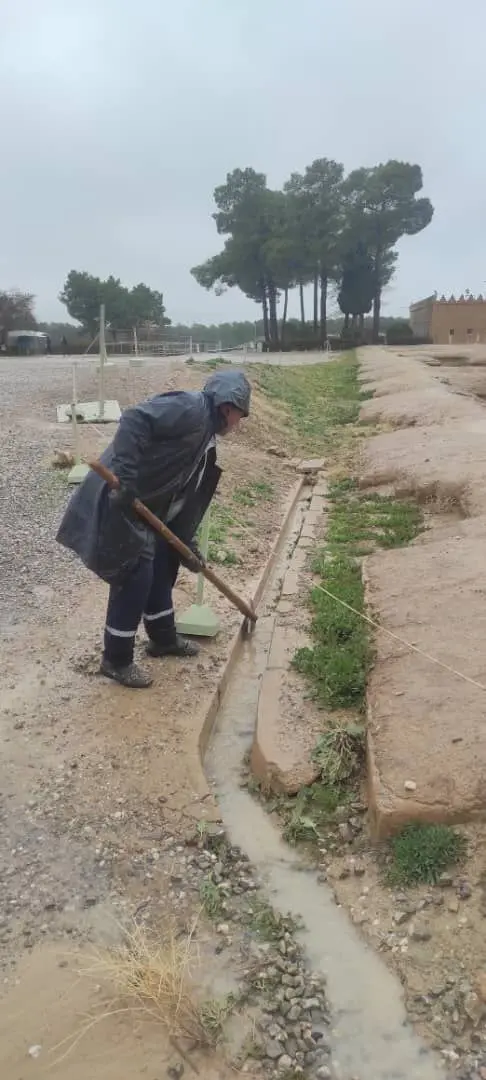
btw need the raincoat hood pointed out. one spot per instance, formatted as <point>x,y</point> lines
<point>229,387</point>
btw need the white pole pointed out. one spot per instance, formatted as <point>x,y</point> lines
<point>74,403</point>
<point>102,360</point>
<point>204,553</point>
<point>190,346</point>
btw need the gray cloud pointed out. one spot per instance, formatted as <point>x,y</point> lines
<point>118,120</point>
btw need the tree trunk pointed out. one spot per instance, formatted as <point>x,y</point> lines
<point>272,313</point>
<point>376,315</point>
<point>377,299</point>
<point>346,322</point>
<point>284,316</point>
<point>323,312</point>
<point>361,324</point>
<point>316,302</point>
<point>302,308</point>
<point>266,333</point>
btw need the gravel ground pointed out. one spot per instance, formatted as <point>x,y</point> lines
<point>91,830</point>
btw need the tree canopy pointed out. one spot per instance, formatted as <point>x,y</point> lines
<point>125,308</point>
<point>322,228</point>
<point>16,311</point>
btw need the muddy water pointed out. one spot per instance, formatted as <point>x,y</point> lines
<point>372,1040</point>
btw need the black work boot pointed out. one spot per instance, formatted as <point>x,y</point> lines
<point>175,645</point>
<point>129,675</point>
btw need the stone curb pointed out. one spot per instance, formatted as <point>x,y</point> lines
<point>196,748</point>
<point>269,764</point>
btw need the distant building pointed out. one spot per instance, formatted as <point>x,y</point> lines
<point>450,322</point>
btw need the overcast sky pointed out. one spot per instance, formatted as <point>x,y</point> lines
<point>119,117</point>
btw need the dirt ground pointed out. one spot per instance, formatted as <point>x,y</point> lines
<point>426,725</point>
<point>99,787</point>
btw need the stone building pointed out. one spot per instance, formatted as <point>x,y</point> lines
<point>450,322</point>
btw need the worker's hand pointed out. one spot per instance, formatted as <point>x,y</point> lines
<point>122,498</point>
<point>194,566</point>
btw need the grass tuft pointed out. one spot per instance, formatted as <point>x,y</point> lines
<point>211,897</point>
<point>339,753</point>
<point>153,978</point>
<point>421,853</point>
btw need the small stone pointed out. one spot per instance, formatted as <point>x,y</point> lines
<point>453,906</point>
<point>346,833</point>
<point>175,1072</point>
<point>323,1073</point>
<point>464,891</point>
<point>34,1051</point>
<point>480,983</point>
<point>400,917</point>
<point>273,1049</point>
<point>446,880</point>
<point>285,1062</point>
<point>473,1007</point>
<point>223,928</point>
<point>410,785</point>
<point>420,931</point>
<point>311,1003</point>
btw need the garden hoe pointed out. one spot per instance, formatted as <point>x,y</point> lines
<point>158,526</point>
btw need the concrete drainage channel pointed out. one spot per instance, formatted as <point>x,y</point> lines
<point>371,1038</point>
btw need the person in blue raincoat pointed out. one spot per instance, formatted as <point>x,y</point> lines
<point>164,453</point>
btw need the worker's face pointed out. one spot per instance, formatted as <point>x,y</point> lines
<point>232,417</point>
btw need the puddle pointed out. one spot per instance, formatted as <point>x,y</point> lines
<point>372,1038</point>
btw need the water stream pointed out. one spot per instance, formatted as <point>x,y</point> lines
<point>372,1038</point>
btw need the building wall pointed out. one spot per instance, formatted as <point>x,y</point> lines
<point>460,322</point>
<point>421,317</point>
<point>450,322</point>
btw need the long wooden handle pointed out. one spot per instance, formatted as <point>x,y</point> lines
<point>176,543</point>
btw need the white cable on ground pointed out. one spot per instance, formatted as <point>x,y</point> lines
<point>402,641</point>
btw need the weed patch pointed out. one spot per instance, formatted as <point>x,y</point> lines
<point>339,753</point>
<point>227,524</point>
<point>267,924</point>
<point>323,400</point>
<point>306,815</point>
<point>421,853</point>
<point>211,898</point>
<point>339,662</point>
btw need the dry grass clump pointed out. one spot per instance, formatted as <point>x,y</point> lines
<point>154,977</point>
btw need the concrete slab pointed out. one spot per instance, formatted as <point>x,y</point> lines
<point>318,504</point>
<point>285,642</point>
<point>426,729</point>
<point>277,766</point>
<point>311,466</point>
<point>199,620</point>
<point>290,585</point>
<point>78,473</point>
<point>88,412</point>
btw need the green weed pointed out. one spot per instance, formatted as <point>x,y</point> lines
<point>421,853</point>
<point>323,400</point>
<point>211,898</point>
<point>339,662</point>
<point>339,753</point>
<point>268,924</point>
<point>310,811</point>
